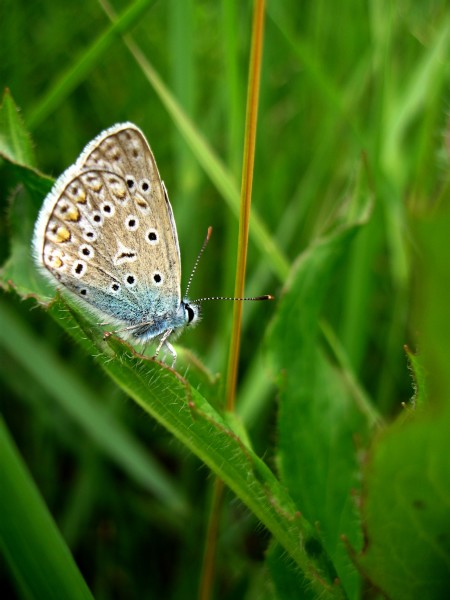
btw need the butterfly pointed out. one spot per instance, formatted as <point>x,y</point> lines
<point>106,234</point>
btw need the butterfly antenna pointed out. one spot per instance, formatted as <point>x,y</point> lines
<point>205,243</point>
<point>256,298</point>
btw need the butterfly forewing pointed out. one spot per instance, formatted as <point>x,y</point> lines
<point>125,151</point>
<point>107,232</point>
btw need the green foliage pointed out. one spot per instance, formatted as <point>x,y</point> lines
<point>39,558</point>
<point>342,449</point>
<point>318,416</point>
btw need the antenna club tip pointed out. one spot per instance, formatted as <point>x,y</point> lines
<point>208,235</point>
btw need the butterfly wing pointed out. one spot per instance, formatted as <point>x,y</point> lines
<point>106,232</point>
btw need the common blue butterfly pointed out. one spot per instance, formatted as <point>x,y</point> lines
<point>106,233</point>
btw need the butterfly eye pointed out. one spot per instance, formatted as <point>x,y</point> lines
<point>190,314</point>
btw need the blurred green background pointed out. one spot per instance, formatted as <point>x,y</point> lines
<point>348,87</point>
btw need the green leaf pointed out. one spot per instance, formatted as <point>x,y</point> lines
<point>321,420</point>
<point>31,543</point>
<point>15,143</point>
<point>406,508</point>
<point>19,271</point>
<point>60,381</point>
<point>181,409</point>
<point>30,187</point>
<point>418,374</point>
<point>407,476</point>
<point>287,579</point>
<point>169,398</point>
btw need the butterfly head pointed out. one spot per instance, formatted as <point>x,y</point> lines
<point>191,312</point>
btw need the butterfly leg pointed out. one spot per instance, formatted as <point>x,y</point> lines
<point>173,352</point>
<point>170,348</point>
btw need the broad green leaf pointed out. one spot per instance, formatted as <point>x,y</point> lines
<point>406,509</point>
<point>321,421</point>
<point>169,398</point>
<point>407,477</point>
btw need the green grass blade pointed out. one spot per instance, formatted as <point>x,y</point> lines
<point>212,165</point>
<point>31,543</point>
<point>430,71</point>
<point>77,72</point>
